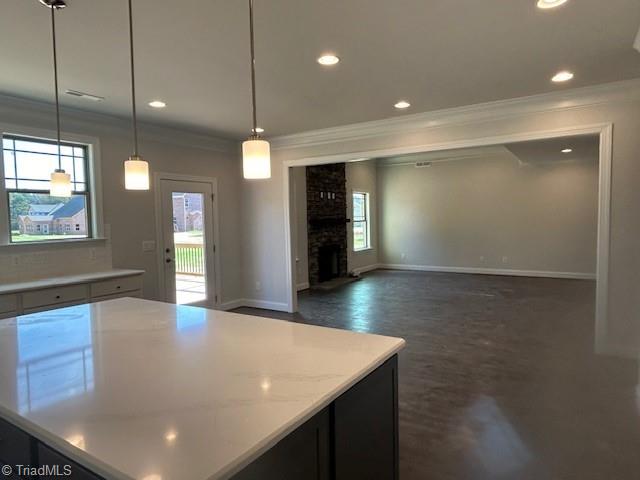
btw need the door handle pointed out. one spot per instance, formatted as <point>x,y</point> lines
<point>168,260</point>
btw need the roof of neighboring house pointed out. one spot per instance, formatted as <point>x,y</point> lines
<point>70,208</point>
<point>38,218</point>
<point>44,209</point>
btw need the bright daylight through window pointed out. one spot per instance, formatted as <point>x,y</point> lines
<point>34,215</point>
<point>361,235</point>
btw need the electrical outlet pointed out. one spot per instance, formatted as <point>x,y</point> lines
<point>258,286</point>
<point>403,256</point>
<point>481,258</point>
<point>505,259</point>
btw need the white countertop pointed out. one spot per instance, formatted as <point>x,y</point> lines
<point>146,390</point>
<point>66,280</point>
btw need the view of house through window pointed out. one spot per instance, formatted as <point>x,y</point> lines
<point>361,235</point>
<point>34,215</point>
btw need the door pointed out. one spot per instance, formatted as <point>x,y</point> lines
<point>187,242</point>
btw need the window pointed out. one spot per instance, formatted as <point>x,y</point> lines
<point>361,227</point>
<point>28,164</point>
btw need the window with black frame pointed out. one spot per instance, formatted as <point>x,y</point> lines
<point>361,236</point>
<point>34,215</point>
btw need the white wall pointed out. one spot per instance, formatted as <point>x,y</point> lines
<point>491,212</point>
<point>362,177</point>
<point>131,215</point>
<point>263,207</point>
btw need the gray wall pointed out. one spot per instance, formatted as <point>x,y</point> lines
<point>491,213</point>
<point>263,206</point>
<point>130,216</point>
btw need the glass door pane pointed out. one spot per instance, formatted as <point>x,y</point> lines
<point>189,242</point>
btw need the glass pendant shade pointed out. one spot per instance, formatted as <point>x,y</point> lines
<point>256,159</point>
<point>136,174</point>
<point>60,184</point>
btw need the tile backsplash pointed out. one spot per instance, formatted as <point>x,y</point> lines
<point>24,263</point>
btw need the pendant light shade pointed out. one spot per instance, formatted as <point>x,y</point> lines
<point>256,159</point>
<point>136,169</point>
<point>256,152</point>
<point>60,184</point>
<point>136,174</point>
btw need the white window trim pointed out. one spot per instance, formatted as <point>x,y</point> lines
<point>368,213</point>
<point>94,175</point>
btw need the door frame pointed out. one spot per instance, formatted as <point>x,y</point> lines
<point>216,288</point>
<point>603,130</point>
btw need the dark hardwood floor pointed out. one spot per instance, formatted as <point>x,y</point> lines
<point>498,379</point>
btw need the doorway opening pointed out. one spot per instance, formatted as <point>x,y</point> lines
<point>187,245</point>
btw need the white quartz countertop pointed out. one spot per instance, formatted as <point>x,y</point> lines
<point>66,280</point>
<point>145,390</point>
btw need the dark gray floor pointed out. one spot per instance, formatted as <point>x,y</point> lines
<point>498,380</point>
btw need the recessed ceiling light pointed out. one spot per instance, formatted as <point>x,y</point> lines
<point>563,76</point>
<point>328,59</point>
<point>567,150</point>
<point>546,4</point>
<point>157,104</point>
<point>402,104</point>
<point>258,130</point>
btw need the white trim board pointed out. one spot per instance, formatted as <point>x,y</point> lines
<point>489,271</point>
<point>302,286</point>
<point>564,100</point>
<point>365,269</point>
<point>252,303</point>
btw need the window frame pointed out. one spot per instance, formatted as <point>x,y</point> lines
<point>95,225</point>
<point>366,221</point>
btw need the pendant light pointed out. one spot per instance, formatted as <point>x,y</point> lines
<point>60,183</point>
<point>136,170</point>
<point>256,152</point>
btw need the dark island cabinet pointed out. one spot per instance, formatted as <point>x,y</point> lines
<point>355,438</point>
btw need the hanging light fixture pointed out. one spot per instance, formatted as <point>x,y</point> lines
<point>256,152</point>
<point>60,183</point>
<point>136,169</point>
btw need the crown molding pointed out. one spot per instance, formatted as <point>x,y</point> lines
<point>546,102</point>
<point>78,119</point>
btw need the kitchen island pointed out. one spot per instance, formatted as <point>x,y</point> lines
<point>135,389</point>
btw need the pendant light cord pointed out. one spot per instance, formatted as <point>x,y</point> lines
<point>55,80</point>
<point>253,69</point>
<point>133,83</point>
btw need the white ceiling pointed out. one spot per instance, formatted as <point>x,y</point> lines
<point>194,55</point>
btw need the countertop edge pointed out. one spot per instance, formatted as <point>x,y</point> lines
<point>40,283</point>
<point>61,446</point>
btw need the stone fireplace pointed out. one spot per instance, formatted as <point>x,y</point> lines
<point>327,222</point>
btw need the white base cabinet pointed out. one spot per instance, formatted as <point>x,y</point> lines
<point>47,294</point>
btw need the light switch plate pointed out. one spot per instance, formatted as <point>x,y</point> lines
<point>148,246</point>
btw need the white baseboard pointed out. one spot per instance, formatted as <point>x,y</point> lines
<point>248,302</point>
<point>302,286</point>
<point>232,304</point>
<point>490,271</point>
<point>366,269</point>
